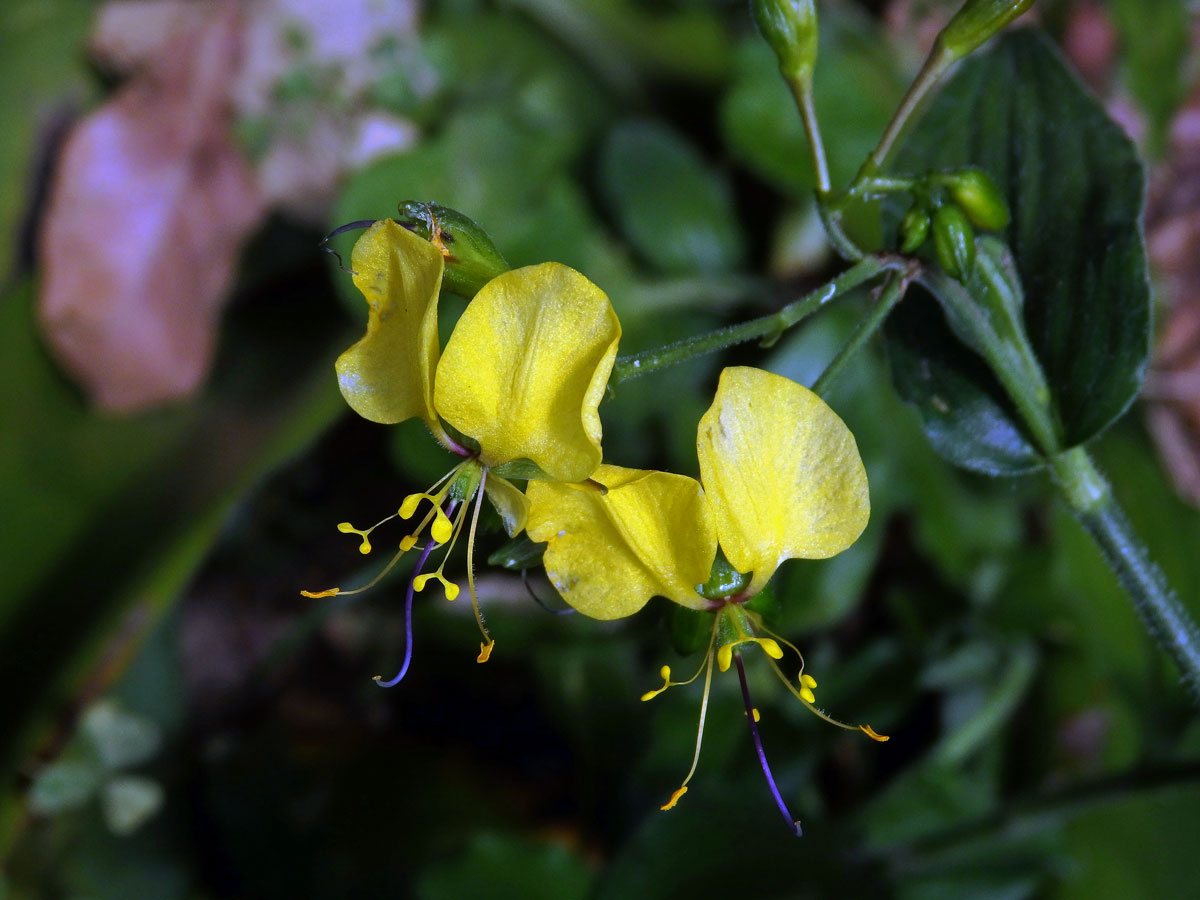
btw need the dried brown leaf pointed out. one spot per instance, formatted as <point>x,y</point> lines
<point>149,208</point>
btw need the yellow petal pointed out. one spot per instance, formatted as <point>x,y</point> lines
<point>526,367</point>
<point>650,535</point>
<point>512,505</point>
<point>781,472</point>
<point>388,375</point>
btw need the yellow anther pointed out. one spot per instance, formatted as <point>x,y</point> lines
<point>757,717</point>
<point>441,530</point>
<point>771,648</point>
<point>724,657</point>
<point>674,798</point>
<point>665,674</point>
<point>449,587</point>
<point>873,734</point>
<point>807,681</point>
<point>410,504</point>
<point>346,528</point>
<point>407,543</point>
<point>807,695</point>
<point>485,651</point>
<point>317,595</point>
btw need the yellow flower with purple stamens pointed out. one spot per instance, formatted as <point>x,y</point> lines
<point>782,479</point>
<point>517,387</point>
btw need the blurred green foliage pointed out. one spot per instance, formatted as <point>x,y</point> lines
<point>1040,746</point>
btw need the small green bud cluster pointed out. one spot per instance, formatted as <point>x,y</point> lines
<point>950,206</point>
<point>472,259</point>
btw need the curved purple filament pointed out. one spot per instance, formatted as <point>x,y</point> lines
<point>342,229</point>
<point>408,605</point>
<point>793,824</point>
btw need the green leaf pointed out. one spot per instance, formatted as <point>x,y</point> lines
<point>503,867</point>
<point>62,786</point>
<point>963,410</point>
<point>1154,42</point>
<point>518,553</point>
<point>129,801</point>
<point>675,211</point>
<point>45,37</point>
<point>1074,185</point>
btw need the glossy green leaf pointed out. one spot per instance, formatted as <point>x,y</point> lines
<point>963,410</point>
<point>673,208</point>
<point>1074,185</point>
<point>519,553</point>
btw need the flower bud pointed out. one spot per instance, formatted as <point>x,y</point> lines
<point>980,198</point>
<point>472,259</point>
<point>954,241</point>
<point>914,228</point>
<point>977,21</point>
<point>790,28</point>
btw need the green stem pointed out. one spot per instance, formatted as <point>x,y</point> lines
<point>893,290</point>
<point>1168,622</point>
<point>802,92</point>
<point>773,325</point>
<point>936,64</point>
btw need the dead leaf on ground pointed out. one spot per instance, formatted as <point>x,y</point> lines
<point>149,208</point>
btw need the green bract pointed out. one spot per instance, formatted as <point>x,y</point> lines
<point>790,28</point>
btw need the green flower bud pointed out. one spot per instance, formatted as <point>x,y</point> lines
<point>790,28</point>
<point>472,259</point>
<point>914,228</point>
<point>977,21</point>
<point>980,198</point>
<point>954,241</point>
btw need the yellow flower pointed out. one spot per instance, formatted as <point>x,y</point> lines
<point>782,479</point>
<point>518,384</point>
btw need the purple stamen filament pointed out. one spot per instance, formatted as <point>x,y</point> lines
<point>793,824</point>
<point>408,606</point>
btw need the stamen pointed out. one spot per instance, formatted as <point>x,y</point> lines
<point>441,530</point>
<point>670,804</point>
<point>665,674</point>
<point>485,649</point>
<point>752,720</point>
<point>566,611</point>
<point>408,633</point>
<point>805,695</point>
<point>451,589</point>
<point>708,668</point>
<point>365,547</point>
<point>317,595</point>
<point>338,592</point>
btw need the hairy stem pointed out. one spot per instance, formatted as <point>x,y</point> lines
<point>770,326</point>
<point>1160,610</point>
<point>893,291</point>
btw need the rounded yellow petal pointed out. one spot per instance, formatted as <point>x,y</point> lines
<point>387,376</point>
<point>781,472</point>
<point>526,367</point>
<point>510,503</point>
<point>650,535</point>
